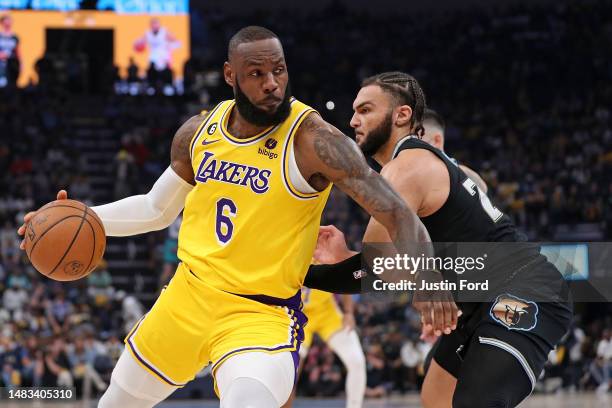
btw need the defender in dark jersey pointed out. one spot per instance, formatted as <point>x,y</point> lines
<point>499,348</point>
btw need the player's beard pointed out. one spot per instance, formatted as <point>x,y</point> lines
<point>377,137</point>
<point>257,116</point>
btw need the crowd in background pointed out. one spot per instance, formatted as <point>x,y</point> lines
<point>525,93</point>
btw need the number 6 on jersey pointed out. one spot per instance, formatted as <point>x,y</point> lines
<point>224,228</point>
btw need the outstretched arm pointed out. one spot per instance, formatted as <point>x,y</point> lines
<point>161,205</point>
<point>324,151</point>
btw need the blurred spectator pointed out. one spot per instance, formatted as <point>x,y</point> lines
<point>58,312</point>
<point>9,244</point>
<point>377,369</point>
<point>132,312</point>
<point>171,260</point>
<point>57,365</point>
<point>604,361</point>
<point>100,288</point>
<point>9,52</point>
<point>82,360</point>
<point>14,298</point>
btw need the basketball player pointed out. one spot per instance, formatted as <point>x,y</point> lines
<point>434,127</point>
<point>336,328</point>
<point>253,175</point>
<point>498,350</point>
<point>9,52</point>
<point>161,44</point>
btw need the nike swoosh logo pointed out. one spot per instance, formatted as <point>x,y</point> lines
<point>205,142</point>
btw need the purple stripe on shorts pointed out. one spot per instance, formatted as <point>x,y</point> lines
<point>294,304</point>
<point>149,366</point>
<point>296,362</point>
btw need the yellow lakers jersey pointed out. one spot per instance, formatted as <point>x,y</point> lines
<point>246,229</point>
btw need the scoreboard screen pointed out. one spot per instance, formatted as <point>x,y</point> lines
<point>119,6</point>
<point>51,25</point>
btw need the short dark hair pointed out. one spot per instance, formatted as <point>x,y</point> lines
<point>406,90</point>
<point>247,35</point>
<point>431,115</point>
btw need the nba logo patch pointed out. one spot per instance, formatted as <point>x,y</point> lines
<point>211,129</point>
<point>514,313</point>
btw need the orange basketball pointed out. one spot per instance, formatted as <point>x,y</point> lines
<point>65,240</point>
<point>140,46</point>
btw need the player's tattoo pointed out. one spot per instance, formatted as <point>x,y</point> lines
<point>346,167</point>
<point>353,176</point>
<point>335,153</point>
<point>180,153</point>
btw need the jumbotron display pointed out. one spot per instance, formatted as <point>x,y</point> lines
<point>151,35</point>
<point>119,6</point>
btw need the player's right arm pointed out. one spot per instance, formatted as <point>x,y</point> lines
<point>161,205</point>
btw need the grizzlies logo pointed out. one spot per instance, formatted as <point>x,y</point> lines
<point>514,313</point>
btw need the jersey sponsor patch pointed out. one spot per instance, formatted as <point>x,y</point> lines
<point>514,313</point>
<point>258,180</point>
<point>267,150</point>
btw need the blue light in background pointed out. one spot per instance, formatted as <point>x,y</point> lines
<point>572,260</point>
<point>13,4</point>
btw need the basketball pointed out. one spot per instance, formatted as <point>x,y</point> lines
<point>140,46</point>
<point>65,240</point>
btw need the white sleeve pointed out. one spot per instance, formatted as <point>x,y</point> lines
<point>147,212</point>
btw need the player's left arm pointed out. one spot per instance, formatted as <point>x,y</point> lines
<point>324,151</point>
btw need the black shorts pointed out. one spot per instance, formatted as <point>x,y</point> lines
<point>525,329</point>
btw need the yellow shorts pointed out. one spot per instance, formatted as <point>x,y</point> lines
<point>322,321</point>
<point>193,324</point>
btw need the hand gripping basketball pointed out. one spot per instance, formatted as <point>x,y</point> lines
<point>64,240</point>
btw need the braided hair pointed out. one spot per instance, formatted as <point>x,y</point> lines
<point>405,90</point>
